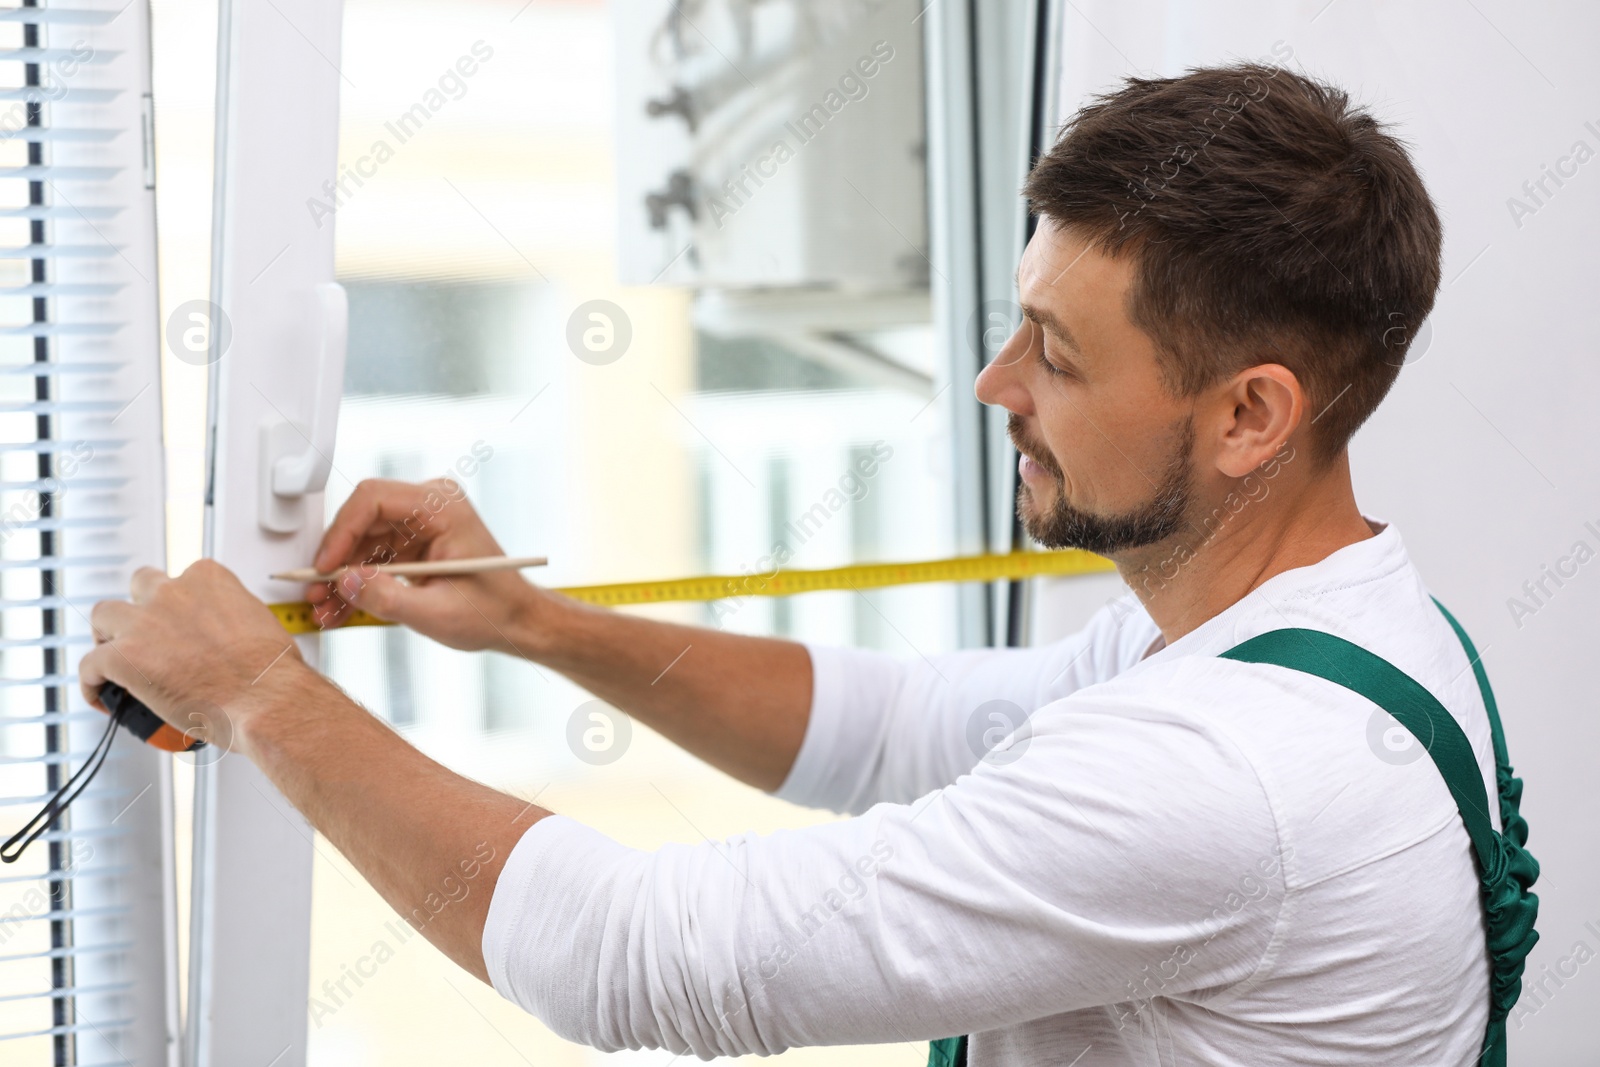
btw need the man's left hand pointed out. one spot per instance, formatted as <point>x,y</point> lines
<point>198,649</point>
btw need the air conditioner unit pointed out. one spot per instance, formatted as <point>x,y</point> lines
<point>772,144</point>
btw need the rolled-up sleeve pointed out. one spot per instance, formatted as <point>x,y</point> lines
<point>1024,890</point>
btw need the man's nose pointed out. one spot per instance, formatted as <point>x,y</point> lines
<point>1004,381</point>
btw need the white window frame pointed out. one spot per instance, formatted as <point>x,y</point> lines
<point>983,66</point>
<point>276,144</point>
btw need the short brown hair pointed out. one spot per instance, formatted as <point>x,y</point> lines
<point>1271,221</point>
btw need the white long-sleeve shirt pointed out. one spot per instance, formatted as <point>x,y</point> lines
<point>1180,860</point>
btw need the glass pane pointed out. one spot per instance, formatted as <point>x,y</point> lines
<point>478,219</point>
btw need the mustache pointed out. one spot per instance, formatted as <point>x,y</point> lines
<point>1028,447</point>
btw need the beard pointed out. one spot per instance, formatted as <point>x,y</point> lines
<point>1066,526</point>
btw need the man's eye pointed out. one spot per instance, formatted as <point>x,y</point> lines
<point>1044,361</point>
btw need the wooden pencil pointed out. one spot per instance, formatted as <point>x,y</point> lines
<point>424,568</point>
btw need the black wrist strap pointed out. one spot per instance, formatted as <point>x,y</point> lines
<point>11,851</point>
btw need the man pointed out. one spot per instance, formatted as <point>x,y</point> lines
<point>1182,859</point>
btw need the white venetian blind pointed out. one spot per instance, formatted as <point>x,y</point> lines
<point>87,969</point>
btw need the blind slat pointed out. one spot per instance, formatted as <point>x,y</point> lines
<point>46,602</point>
<point>51,758</point>
<point>55,211</point>
<point>63,445</point>
<point>87,522</point>
<point>54,718</point>
<point>53,641</point>
<point>69,16</point>
<point>70,951</point>
<point>64,913</point>
<point>60,329</point>
<point>61,875</point>
<point>51,55</point>
<point>94,792</point>
<point>62,289</point>
<point>56,485</point>
<point>75,1028</point>
<point>69,991</point>
<point>40,95</point>
<point>39,172</point>
<point>60,562</point>
<point>43,680</point>
<point>58,133</point>
<point>46,407</point>
<point>51,370</point>
<point>50,251</point>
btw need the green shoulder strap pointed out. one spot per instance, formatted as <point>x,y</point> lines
<point>948,1052</point>
<point>1506,870</point>
<point>1510,786</point>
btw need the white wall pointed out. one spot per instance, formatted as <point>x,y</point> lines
<point>1485,455</point>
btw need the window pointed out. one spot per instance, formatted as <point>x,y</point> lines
<point>86,915</point>
<point>564,291</point>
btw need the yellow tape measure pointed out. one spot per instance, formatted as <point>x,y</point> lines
<point>297,618</point>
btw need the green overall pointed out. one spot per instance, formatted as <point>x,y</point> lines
<point>1505,868</point>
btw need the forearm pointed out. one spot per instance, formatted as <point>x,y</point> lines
<point>740,703</point>
<point>430,841</point>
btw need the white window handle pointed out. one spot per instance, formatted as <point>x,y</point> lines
<point>296,459</point>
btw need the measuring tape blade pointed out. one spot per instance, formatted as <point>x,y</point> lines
<point>297,617</point>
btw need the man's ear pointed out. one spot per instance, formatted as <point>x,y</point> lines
<point>1262,407</point>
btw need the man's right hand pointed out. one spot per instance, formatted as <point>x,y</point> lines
<point>399,522</point>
